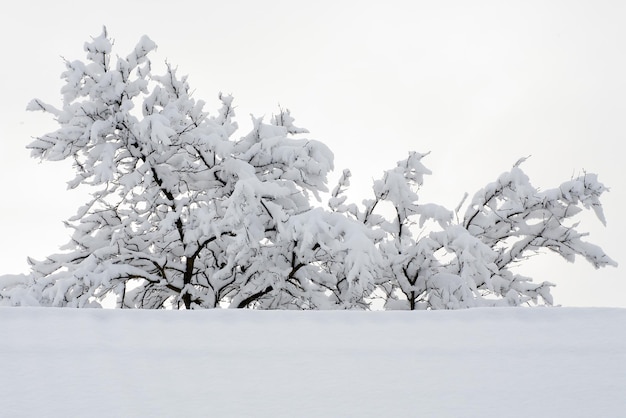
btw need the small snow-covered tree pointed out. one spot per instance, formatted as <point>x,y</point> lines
<point>183,214</point>
<point>469,262</point>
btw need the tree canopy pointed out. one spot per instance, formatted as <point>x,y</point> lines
<point>186,215</point>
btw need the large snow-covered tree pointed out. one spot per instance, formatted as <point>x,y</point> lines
<point>185,215</point>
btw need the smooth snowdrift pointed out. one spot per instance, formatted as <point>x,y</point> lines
<point>471,363</point>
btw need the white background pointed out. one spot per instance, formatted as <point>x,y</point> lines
<point>479,84</point>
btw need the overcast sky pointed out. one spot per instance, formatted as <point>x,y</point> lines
<point>479,84</point>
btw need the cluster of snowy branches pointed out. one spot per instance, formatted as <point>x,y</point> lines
<point>187,216</point>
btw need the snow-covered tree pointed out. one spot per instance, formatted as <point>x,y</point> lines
<point>467,263</point>
<point>183,214</point>
<point>186,216</point>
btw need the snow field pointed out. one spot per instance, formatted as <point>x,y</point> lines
<point>502,362</point>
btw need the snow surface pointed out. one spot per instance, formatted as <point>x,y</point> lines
<point>499,362</point>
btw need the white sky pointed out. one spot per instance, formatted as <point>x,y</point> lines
<point>479,84</point>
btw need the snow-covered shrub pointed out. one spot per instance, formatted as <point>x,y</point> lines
<point>468,263</point>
